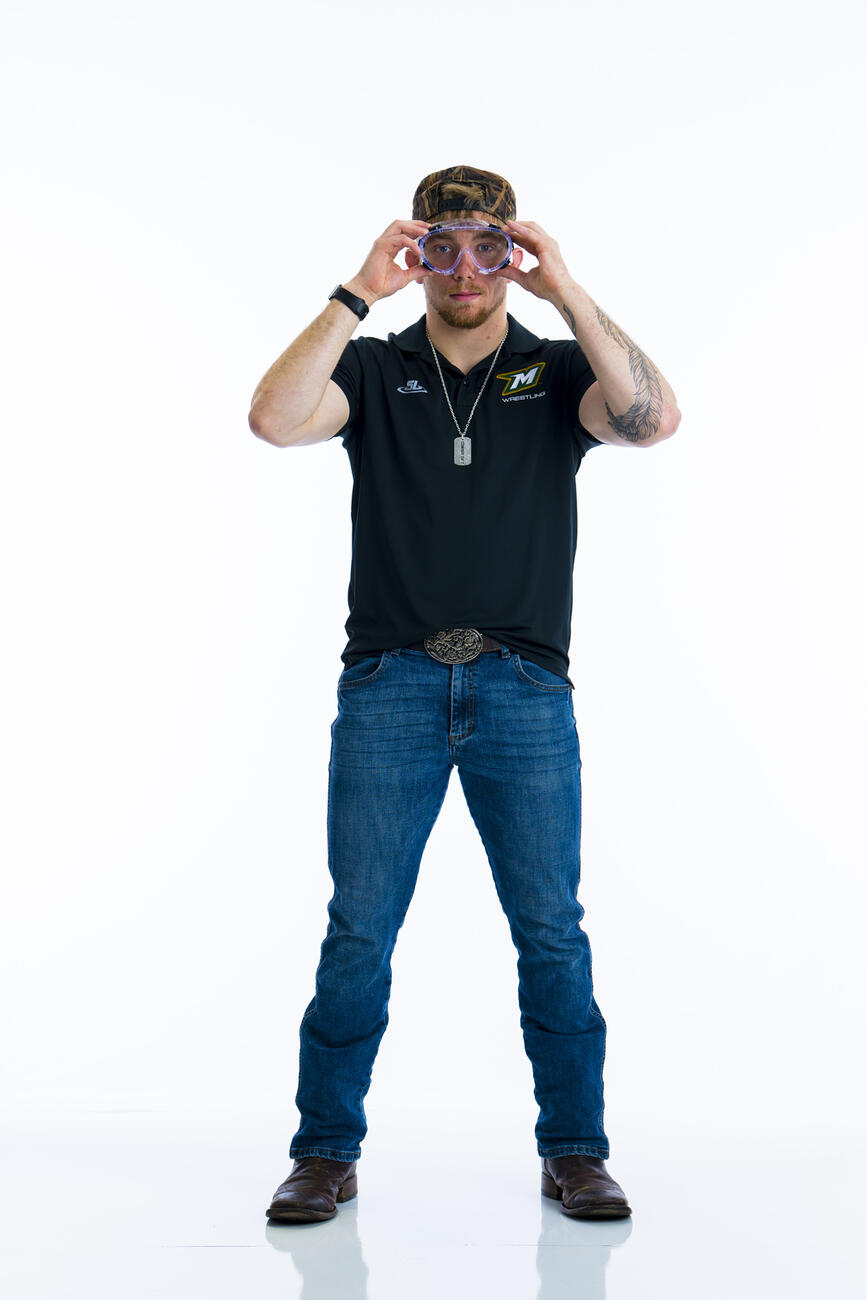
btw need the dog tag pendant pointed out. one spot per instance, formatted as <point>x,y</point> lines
<point>463,451</point>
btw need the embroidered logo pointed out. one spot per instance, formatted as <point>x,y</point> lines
<point>412,386</point>
<point>518,381</point>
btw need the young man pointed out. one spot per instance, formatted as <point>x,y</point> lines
<point>465,433</point>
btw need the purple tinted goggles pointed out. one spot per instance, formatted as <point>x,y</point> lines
<point>441,248</point>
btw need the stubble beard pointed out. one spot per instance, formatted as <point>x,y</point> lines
<point>461,319</point>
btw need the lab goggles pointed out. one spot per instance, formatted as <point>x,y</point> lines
<point>442,247</point>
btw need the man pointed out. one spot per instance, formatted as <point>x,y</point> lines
<point>465,433</point>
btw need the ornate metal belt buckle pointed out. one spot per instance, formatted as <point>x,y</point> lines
<point>454,645</point>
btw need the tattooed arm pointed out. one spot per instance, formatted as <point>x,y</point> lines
<point>631,403</point>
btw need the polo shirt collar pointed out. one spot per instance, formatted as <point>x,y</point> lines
<point>414,339</point>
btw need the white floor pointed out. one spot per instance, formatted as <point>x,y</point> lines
<point>171,1204</point>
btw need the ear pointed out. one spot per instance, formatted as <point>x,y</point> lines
<point>412,257</point>
<point>517,256</point>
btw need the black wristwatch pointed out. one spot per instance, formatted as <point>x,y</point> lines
<point>358,305</point>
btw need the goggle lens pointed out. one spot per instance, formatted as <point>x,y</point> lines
<point>441,248</point>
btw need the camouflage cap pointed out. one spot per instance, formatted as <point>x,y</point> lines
<point>463,189</point>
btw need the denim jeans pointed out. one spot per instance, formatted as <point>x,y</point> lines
<point>404,721</point>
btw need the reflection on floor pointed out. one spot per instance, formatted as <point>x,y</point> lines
<point>140,1203</point>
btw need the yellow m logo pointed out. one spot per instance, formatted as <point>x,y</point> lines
<point>520,380</point>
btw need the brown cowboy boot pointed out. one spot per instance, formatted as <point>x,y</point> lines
<point>585,1187</point>
<point>312,1190</point>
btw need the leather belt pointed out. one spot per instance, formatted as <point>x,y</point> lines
<point>456,645</point>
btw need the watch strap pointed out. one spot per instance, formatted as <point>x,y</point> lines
<point>358,305</point>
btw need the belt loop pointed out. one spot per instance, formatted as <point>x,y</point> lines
<point>505,652</point>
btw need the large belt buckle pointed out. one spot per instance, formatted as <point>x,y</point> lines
<point>454,645</point>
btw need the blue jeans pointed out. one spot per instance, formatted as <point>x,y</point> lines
<point>404,721</point>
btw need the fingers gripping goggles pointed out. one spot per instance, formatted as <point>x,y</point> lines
<point>443,246</point>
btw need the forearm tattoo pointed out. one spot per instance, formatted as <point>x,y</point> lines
<point>643,418</point>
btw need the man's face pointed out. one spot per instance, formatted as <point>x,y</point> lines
<point>467,298</point>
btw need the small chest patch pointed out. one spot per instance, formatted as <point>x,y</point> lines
<point>519,381</point>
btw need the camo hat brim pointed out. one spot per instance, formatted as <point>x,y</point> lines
<point>464,189</point>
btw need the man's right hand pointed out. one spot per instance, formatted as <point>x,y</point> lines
<point>380,276</point>
<point>296,401</point>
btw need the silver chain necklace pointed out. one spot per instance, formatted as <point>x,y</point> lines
<point>463,444</point>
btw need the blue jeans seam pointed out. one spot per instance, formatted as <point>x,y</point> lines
<point>542,686</point>
<point>576,1149</point>
<point>325,1153</point>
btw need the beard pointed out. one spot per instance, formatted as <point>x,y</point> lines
<point>461,319</point>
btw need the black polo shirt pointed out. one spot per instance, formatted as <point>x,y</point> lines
<point>489,545</point>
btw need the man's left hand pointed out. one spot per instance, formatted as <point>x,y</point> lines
<point>550,278</point>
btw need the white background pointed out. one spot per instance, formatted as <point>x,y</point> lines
<point>185,183</point>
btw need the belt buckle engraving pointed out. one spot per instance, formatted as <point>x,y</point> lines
<point>454,645</point>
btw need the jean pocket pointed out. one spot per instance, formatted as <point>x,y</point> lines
<point>542,678</point>
<point>363,671</point>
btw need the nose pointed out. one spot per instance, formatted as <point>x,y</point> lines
<point>466,267</point>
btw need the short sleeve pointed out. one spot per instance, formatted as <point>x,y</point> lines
<point>581,376</point>
<point>347,375</point>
